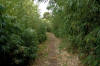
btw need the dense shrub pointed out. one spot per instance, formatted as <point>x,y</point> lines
<point>41,33</point>
<point>79,21</point>
<point>19,36</point>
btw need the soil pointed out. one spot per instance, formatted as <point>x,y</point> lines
<point>49,54</point>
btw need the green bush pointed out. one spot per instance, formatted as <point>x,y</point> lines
<point>41,31</point>
<point>79,21</point>
<point>19,38</point>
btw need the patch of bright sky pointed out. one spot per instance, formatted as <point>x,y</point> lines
<point>42,6</point>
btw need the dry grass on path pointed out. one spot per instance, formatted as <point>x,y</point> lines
<point>49,54</point>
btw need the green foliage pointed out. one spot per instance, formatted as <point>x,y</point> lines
<point>41,32</point>
<point>79,21</point>
<point>47,17</point>
<point>21,31</point>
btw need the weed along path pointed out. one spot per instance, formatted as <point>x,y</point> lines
<point>50,55</point>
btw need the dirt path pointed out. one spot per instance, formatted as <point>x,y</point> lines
<point>53,49</point>
<point>49,54</point>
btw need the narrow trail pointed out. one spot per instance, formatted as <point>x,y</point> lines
<point>49,54</point>
<point>52,50</point>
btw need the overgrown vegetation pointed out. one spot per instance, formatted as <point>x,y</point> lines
<point>21,30</point>
<point>79,21</point>
<point>47,17</point>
